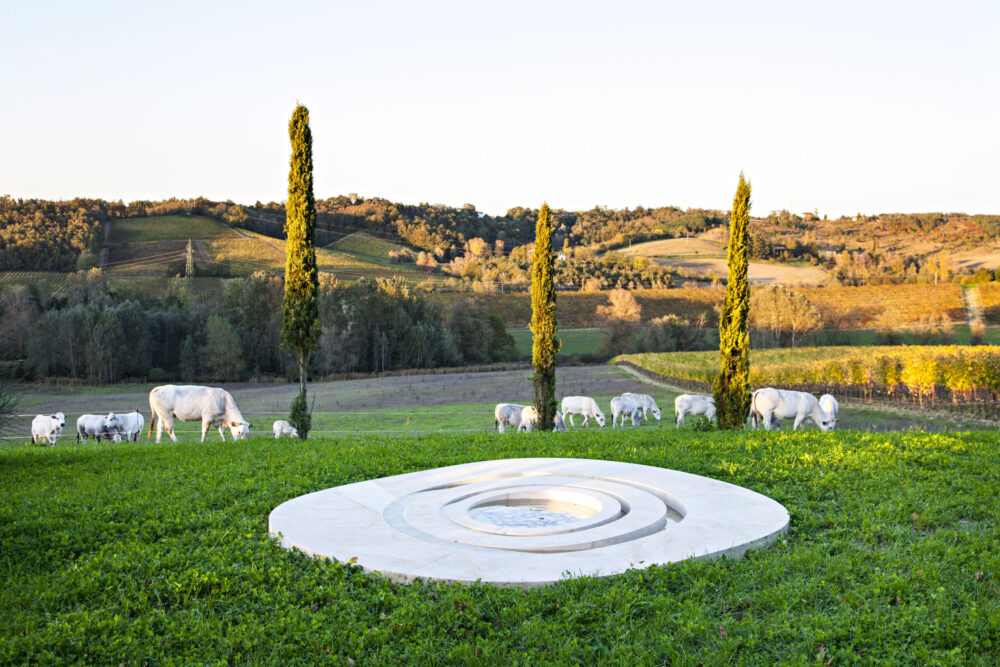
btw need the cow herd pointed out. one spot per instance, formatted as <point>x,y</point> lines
<point>215,408</point>
<point>768,407</point>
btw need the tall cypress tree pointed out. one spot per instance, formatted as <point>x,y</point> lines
<point>543,320</point>
<point>300,327</point>
<point>732,386</point>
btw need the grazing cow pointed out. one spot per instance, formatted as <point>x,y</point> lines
<point>213,406</point>
<point>646,402</point>
<point>625,406</point>
<point>830,407</point>
<point>98,426</point>
<point>281,426</point>
<point>558,423</point>
<point>507,414</point>
<point>131,425</point>
<point>768,403</point>
<point>529,419</point>
<point>581,405</point>
<point>694,404</point>
<point>47,427</point>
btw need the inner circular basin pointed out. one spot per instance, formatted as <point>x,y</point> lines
<point>536,508</point>
<point>529,513</point>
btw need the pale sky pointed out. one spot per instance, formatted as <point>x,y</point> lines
<point>840,107</point>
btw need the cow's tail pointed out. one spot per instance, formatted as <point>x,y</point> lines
<point>152,417</point>
<point>754,418</point>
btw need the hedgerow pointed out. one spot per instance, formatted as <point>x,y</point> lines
<point>159,554</point>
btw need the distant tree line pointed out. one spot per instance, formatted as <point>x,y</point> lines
<point>92,334</point>
<point>39,235</point>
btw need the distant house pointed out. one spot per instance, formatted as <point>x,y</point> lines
<point>828,252</point>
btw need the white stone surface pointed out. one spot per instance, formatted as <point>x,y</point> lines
<point>418,524</point>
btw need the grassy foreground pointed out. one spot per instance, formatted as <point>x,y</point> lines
<point>151,553</point>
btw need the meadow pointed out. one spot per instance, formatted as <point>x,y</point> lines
<point>360,243</point>
<point>167,228</point>
<point>414,404</point>
<point>159,554</point>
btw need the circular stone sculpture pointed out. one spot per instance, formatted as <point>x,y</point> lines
<point>527,522</point>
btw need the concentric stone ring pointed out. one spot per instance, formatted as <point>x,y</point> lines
<point>526,522</point>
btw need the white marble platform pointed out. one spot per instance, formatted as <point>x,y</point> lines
<point>613,517</point>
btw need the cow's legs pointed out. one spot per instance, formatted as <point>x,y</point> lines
<point>680,418</point>
<point>798,422</point>
<point>204,428</point>
<point>168,424</point>
<point>222,433</point>
<point>766,418</point>
<point>568,417</point>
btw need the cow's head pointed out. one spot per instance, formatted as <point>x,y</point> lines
<point>112,422</point>
<point>240,429</point>
<point>656,413</point>
<point>599,418</point>
<point>61,418</point>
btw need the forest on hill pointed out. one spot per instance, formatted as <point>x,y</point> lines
<point>480,248</point>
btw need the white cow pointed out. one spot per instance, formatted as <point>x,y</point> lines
<point>98,426</point>
<point>581,405</point>
<point>280,427</point>
<point>507,414</point>
<point>558,423</point>
<point>131,425</point>
<point>830,407</point>
<point>694,404</point>
<point>47,427</point>
<point>529,419</point>
<point>625,406</point>
<point>645,402</point>
<point>213,406</point>
<point>767,404</point>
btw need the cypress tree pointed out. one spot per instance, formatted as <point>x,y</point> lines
<point>300,327</point>
<point>732,386</point>
<point>543,320</point>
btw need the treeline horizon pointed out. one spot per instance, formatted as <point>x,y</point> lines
<point>38,234</point>
<point>93,333</point>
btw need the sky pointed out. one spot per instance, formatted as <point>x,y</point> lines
<point>839,108</point>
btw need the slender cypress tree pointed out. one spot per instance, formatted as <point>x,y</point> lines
<point>544,345</point>
<point>732,386</point>
<point>299,309</point>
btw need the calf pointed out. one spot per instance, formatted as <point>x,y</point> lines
<point>282,427</point>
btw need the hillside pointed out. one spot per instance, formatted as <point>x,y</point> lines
<point>704,257</point>
<point>156,245</point>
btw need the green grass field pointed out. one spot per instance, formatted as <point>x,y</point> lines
<point>159,554</point>
<point>360,243</point>
<point>167,228</point>
<point>574,341</point>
